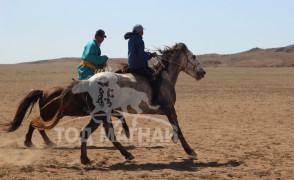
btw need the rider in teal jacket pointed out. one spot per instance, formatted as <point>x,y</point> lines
<point>91,56</point>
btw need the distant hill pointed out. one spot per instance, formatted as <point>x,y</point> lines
<point>71,60</point>
<point>255,57</point>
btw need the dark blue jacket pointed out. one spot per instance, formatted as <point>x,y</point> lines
<point>137,57</point>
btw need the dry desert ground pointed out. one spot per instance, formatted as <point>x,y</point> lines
<point>240,121</point>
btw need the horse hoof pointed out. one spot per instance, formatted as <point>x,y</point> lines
<point>87,161</point>
<point>131,157</point>
<point>51,145</point>
<point>193,155</point>
<point>29,144</point>
<point>127,134</point>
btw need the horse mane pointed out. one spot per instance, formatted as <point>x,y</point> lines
<point>168,51</point>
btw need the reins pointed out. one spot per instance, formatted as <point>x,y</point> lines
<point>194,56</point>
<point>163,67</point>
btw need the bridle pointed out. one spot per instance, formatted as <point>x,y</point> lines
<point>194,57</point>
<point>188,62</point>
<point>164,66</point>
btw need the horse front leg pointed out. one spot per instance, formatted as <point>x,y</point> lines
<point>172,117</point>
<point>85,134</point>
<point>109,131</point>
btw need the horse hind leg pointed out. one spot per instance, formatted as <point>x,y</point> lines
<point>48,142</point>
<point>28,140</point>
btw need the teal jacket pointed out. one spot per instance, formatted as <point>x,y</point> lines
<point>92,54</point>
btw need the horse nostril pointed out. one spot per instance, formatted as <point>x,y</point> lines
<point>204,72</point>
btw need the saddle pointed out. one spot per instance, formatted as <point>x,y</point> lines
<point>124,69</point>
<point>158,68</point>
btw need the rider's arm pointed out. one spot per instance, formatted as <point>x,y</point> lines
<point>91,54</point>
<point>141,52</point>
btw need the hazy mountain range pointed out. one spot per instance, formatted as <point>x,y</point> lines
<point>255,57</point>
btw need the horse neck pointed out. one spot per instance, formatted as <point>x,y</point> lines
<point>174,69</point>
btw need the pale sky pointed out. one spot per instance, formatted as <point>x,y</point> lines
<point>35,30</point>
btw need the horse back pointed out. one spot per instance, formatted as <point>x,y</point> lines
<point>50,94</point>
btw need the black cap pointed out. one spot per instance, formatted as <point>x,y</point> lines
<point>100,32</point>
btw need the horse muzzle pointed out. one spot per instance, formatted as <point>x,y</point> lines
<point>200,75</point>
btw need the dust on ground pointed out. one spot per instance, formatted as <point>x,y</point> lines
<point>239,121</point>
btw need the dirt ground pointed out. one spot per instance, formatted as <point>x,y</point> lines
<point>238,120</point>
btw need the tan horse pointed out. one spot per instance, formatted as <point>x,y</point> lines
<point>104,87</point>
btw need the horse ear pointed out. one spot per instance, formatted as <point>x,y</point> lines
<point>183,46</point>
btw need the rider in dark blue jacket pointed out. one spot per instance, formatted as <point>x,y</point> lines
<point>138,60</point>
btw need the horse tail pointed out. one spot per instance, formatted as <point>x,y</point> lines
<point>66,95</point>
<point>29,100</point>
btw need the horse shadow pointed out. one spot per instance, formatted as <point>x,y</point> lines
<point>187,165</point>
<point>131,147</point>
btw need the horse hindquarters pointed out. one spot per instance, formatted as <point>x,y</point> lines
<point>28,100</point>
<point>48,111</point>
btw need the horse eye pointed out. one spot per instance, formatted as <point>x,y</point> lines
<point>194,57</point>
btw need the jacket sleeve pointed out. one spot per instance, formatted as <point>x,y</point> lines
<point>141,51</point>
<point>91,56</point>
